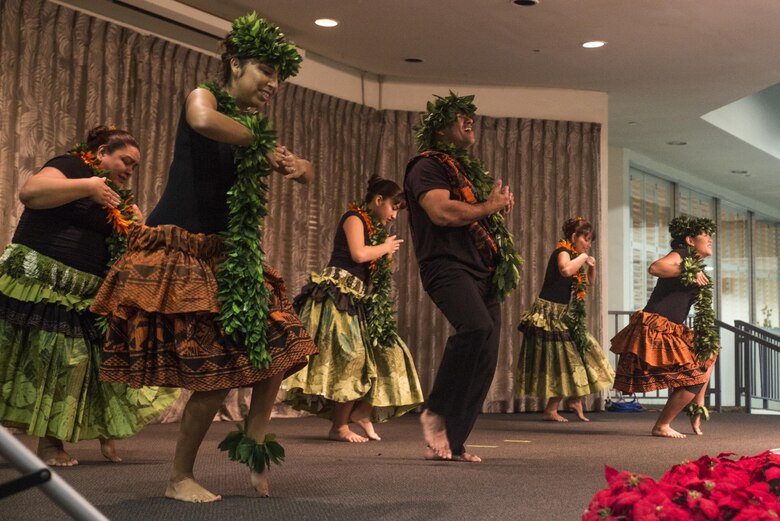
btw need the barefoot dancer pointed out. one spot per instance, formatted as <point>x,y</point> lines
<point>467,264</point>
<point>49,346</point>
<point>558,357</point>
<point>657,350</point>
<point>364,371</point>
<point>189,309</point>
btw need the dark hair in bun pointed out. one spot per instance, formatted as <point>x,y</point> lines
<point>387,189</point>
<point>577,226</point>
<point>111,138</point>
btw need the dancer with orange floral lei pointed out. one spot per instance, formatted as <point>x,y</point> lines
<point>364,373</point>
<point>558,357</point>
<point>76,212</point>
<point>657,350</point>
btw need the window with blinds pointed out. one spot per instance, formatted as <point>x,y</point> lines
<point>651,211</point>
<point>766,267</point>
<point>734,263</point>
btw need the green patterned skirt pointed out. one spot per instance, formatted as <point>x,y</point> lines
<point>550,365</point>
<point>50,356</point>
<point>347,368</point>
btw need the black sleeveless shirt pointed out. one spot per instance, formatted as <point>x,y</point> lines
<point>74,233</point>
<point>202,172</point>
<point>671,298</point>
<point>556,287</point>
<point>341,257</point>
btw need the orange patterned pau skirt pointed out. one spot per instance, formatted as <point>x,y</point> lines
<point>160,298</point>
<point>656,353</point>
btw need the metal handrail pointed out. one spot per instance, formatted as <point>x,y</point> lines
<point>744,336</point>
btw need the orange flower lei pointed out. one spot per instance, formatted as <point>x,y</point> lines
<point>120,217</point>
<point>581,289</point>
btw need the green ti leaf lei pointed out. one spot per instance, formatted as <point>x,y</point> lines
<point>242,293</point>
<point>382,329</point>
<point>120,217</point>
<point>256,456</point>
<point>576,314</point>
<point>706,340</point>
<point>507,274</point>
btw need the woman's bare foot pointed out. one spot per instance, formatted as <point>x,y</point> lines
<point>553,417</point>
<point>368,427</point>
<point>577,408</point>
<point>52,452</point>
<point>259,482</point>
<point>108,449</point>
<point>189,490</point>
<point>696,424</point>
<point>429,454</point>
<point>344,434</point>
<point>435,434</point>
<point>665,431</point>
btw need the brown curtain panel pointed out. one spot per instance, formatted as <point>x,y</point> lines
<point>64,72</point>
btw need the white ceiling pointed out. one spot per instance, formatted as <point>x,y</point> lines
<point>667,62</point>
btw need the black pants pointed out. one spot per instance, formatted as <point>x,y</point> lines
<point>470,356</point>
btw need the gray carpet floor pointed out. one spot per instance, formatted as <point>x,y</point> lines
<point>532,470</point>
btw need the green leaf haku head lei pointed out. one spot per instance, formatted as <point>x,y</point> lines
<point>441,113</point>
<point>706,340</point>
<point>242,293</point>
<point>255,37</point>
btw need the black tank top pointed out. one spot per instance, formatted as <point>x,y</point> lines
<point>74,233</point>
<point>671,298</point>
<point>202,172</point>
<point>556,287</point>
<point>341,257</point>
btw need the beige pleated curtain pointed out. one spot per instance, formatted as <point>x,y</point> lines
<point>64,72</point>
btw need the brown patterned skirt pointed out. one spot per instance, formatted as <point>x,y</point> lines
<point>160,298</point>
<point>656,353</point>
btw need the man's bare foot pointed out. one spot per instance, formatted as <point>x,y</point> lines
<point>344,434</point>
<point>553,417</point>
<point>189,490</point>
<point>429,454</point>
<point>368,427</point>
<point>108,449</point>
<point>259,482</point>
<point>665,431</point>
<point>52,452</point>
<point>696,424</point>
<point>576,407</point>
<point>435,434</point>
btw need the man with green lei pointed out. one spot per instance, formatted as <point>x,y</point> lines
<point>468,264</point>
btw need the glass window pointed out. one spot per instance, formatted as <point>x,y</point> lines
<point>651,211</point>
<point>765,257</point>
<point>734,264</point>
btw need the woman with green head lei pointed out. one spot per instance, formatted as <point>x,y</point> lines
<point>192,304</point>
<point>657,350</point>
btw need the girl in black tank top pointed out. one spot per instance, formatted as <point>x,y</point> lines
<point>558,357</point>
<point>657,350</point>
<point>364,372</point>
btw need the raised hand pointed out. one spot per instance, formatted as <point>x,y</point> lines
<point>499,197</point>
<point>392,244</point>
<point>101,193</point>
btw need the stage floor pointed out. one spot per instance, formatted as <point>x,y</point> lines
<point>532,470</point>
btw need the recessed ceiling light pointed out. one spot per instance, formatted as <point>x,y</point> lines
<point>595,44</point>
<point>632,122</point>
<point>740,172</point>
<point>413,60</point>
<point>525,2</point>
<point>677,143</point>
<point>326,22</point>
